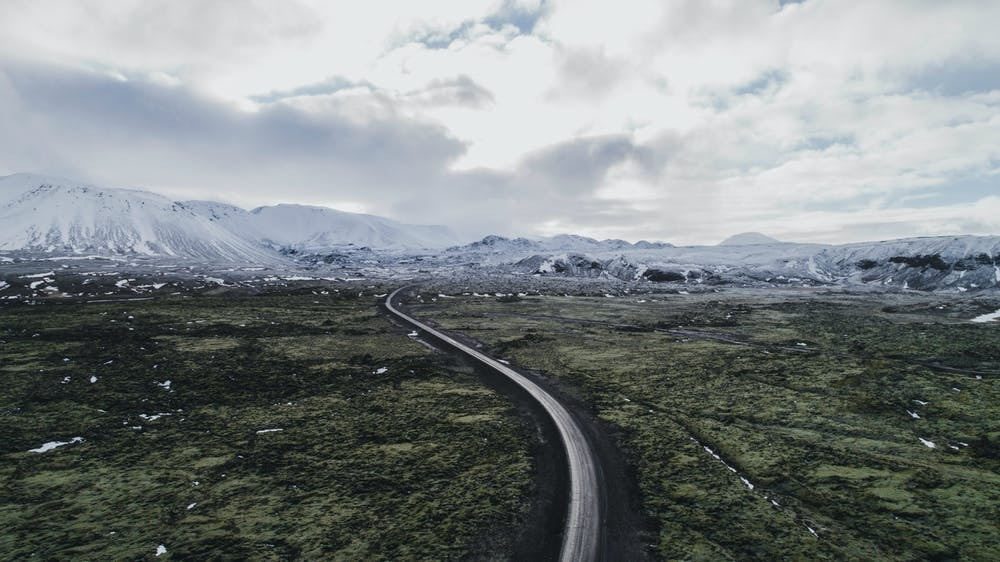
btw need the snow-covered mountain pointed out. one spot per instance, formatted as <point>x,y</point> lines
<point>962,262</point>
<point>958,263</point>
<point>45,214</point>
<point>318,229</point>
<point>16,184</point>
<point>748,239</point>
<point>48,214</point>
<point>494,244</point>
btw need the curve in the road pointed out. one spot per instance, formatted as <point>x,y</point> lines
<point>582,532</point>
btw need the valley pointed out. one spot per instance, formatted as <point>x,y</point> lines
<point>198,381</point>
<point>744,423</point>
<point>505,280</point>
<point>290,424</point>
<point>68,223</point>
<point>767,424</point>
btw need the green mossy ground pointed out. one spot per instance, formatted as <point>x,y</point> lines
<point>418,462</point>
<point>815,414</point>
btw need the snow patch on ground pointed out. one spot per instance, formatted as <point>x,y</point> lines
<point>272,430</point>
<point>381,370</point>
<point>161,550</point>
<point>54,444</point>
<point>987,317</point>
<point>928,444</point>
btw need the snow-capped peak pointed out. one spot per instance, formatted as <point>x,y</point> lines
<point>45,214</point>
<point>41,213</point>
<point>310,228</point>
<point>749,239</point>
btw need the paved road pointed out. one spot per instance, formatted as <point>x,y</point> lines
<point>581,536</point>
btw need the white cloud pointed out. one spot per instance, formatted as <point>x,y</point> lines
<point>685,120</point>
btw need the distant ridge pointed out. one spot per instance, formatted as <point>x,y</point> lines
<point>561,242</point>
<point>749,239</point>
<point>54,215</point>
<point>318,229</point>
<point>48,214</point>
<point>42,217</point>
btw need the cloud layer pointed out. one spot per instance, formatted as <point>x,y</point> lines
<point>684,121</point>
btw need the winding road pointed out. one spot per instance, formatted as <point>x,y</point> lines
<point>582,532</point>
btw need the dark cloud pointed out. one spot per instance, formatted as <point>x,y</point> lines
<point>555,184</point>
<point>654,155</point>
<point>108,130</point>
<point>97,128</point>
<point>329,86</point>
<point>587,72</point>
<point>461,91</point>
<point>576,166</point>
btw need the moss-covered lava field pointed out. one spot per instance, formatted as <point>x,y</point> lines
<point>299,422</point>
<point>270,427</point>
<point>789,424</point>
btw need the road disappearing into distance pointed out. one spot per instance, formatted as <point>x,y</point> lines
<point>582,530</point>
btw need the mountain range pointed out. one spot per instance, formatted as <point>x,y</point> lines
<point>47,216</point>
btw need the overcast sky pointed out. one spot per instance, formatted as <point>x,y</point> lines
<point>684,121</point>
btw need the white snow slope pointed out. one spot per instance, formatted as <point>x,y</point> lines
<point>46,214</point>
<point>54,215</point>
<point>959,263</point>
<point>321,228</point>
<point>748,239</point>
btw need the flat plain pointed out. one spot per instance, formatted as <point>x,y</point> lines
<point>788,424</point>
<point>271,427</point>
<point>300,422</point>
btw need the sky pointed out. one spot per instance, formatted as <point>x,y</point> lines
<point>677,120</point>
